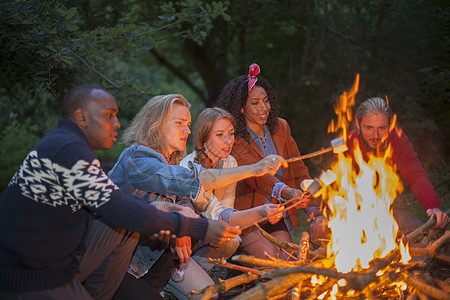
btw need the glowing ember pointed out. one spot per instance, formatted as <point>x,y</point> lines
<point>361,219</point>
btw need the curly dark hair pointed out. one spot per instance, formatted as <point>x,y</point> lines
<point>233,98</point>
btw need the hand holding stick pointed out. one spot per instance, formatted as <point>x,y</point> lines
<point>283,210</point>
<point>325,179</point>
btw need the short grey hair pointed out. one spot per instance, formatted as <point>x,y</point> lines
<point>373,106</point>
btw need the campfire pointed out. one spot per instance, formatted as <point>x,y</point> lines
<point>365,257</point>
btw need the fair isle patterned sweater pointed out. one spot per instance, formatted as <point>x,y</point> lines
<point>49,204</point>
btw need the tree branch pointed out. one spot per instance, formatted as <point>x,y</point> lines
<point>177,72</point>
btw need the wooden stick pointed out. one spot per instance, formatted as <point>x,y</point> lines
<point>422,287</point>
<point>319,152</point>
<point>443,257</point>
<point>283,210</point>
<point>317,291</point>
<point>303,247</point>
<point>288,246</point>
<point>422,229</point>
<point>225,285</point>
<point>247,259</point>
<point>271,288</point>
<point>431,249</point>
<point>223,263</point>
<point>358,281</point>
<point>296,291</point>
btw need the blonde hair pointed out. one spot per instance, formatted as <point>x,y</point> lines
<point>147,126</point>
<point>203,129</point>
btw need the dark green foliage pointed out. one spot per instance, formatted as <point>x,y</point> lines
<point>16,141</point>
<point>310,51</point>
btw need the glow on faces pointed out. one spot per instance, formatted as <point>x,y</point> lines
<point>176,130</point>
<point>221,140</point>
<point>374,130</point>
<point>257,109</point>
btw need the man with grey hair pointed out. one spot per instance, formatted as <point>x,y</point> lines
<point>373,135</point>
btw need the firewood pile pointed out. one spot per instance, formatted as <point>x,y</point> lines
<point>309,274</point>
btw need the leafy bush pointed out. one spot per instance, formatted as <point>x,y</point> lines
<point>16,142</point>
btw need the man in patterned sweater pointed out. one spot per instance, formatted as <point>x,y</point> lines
<point>51,243</point>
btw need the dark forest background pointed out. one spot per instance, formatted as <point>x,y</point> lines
<point>309,50</point>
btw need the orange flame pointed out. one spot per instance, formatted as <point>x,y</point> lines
<point>361,220</point>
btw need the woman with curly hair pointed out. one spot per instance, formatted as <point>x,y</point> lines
<point>260,132</point>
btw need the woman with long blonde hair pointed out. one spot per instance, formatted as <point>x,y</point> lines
<point>146,169</point>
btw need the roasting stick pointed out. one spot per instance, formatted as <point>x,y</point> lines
<point>317,153</point>
<point>337,145</point>
<point>314,188</point>
<point>283,210</point>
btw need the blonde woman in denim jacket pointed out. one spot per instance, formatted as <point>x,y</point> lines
<point>145,168</point>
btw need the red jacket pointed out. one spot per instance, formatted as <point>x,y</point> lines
<point>408,165</point>
<point>252,191</point>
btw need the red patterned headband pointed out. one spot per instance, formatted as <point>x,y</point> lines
<point>252,73</point>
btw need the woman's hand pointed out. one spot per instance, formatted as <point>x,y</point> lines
<point>274,212</point>
<point>183,248</point>
<point>289,193</point>
<point>269,165</point>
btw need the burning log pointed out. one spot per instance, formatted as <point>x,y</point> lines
<point>265,290</point>
<point>281,279</point>
<point>303,247</point>
<point>356,280</point>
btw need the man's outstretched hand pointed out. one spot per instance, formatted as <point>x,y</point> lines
<point>442,219</point>
<point>220,232</point>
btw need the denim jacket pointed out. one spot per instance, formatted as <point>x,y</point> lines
<point>145,173</point>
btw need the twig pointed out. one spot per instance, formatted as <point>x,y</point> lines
<point>303,247</point>
<point>443,257</point>
<point>225,285</point>
<point>284,245</point>
<point>247,259</point>
<point>422,229</point>
<point>264,290</point>
<point>422,287</point>
<point>316,292</point>
<point>296,291</point>
<point>93,69</point>
<point>358,281</point>
<point>284,209</point>
<point>223,263</point>
<point>431,249</point>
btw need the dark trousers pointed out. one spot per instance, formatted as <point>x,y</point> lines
<point>103,266</point>
<point>151,284</point>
